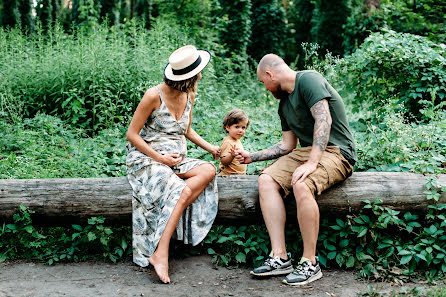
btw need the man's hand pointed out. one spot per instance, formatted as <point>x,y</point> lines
<point>243,157</point>
<point>302,172</point>
<point>171,159</point>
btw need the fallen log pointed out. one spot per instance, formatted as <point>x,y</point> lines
<point>74,200</point>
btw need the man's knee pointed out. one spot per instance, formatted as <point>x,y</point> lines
<point>267,183</point>
<point>302,191</point>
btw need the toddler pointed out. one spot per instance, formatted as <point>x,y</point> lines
<point>235,124</point>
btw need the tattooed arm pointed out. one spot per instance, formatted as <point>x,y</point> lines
<point>288,143</point>
<point>322,127</point>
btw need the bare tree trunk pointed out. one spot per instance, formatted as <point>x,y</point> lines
<point>62,201</point>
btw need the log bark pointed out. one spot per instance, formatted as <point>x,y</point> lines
<point>74,200</point>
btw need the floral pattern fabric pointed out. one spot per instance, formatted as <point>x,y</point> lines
<point>157,188</point>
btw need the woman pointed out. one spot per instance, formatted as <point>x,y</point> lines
<point>170,191</point>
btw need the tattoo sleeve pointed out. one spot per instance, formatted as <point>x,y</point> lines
<point>272,152</point>
<point>322,124</point>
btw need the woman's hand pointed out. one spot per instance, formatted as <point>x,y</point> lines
<point>171,159</point>
<point>215,151</point>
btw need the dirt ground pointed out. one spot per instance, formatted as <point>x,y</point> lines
<point>191,276</point>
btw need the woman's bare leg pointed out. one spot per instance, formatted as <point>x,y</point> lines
<point>197,180</point>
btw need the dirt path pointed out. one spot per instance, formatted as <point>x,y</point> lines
<point>193,276</point>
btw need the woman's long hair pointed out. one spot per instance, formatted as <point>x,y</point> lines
<point>189,85</point>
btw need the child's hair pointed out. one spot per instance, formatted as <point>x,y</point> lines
<point>233,117</point>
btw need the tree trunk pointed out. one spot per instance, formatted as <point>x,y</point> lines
<point>74,200</point>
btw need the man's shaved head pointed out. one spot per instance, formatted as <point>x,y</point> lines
<point>271,62</point>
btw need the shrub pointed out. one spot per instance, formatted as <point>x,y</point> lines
<point>390,65</point>
<point>93,80</point>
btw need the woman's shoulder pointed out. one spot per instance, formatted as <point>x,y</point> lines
<point>151,97</point>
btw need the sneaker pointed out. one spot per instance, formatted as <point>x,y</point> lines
<point>274,266</point>
<point>304,273</point>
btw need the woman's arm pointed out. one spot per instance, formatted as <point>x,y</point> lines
<point>149,102</point>
<point>198,140</point>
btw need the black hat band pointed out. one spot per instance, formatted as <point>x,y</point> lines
<point>188,68</point>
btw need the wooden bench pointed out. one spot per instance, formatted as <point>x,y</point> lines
<point>74,200</point>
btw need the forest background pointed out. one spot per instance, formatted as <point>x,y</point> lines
<point>73,72</point>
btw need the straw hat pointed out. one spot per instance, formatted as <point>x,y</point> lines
<point>186,62</point>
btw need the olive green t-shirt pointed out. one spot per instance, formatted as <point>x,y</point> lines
<point>295,114</point>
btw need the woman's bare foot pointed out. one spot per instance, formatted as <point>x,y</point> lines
<point>161,265</point>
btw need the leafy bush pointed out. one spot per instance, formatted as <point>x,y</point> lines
<point>42,147</point>
<point>395,65</point>
<point>21,240</point>
<point>93,80</point>
<point>385,243</point>
<point>268,29</point>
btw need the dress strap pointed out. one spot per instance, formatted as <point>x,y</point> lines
<point>159,92</point>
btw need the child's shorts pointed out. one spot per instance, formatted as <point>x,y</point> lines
<point>332,168</point>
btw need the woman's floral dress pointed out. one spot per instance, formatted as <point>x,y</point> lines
<point>157,188</point>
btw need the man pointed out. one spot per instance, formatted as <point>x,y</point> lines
<point>312,114</point>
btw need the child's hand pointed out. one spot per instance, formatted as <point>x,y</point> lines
<point>234,150</point>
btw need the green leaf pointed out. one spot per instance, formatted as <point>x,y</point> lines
<point>405,259</point>
<point>362,232</point>
<point>404,253</point>
<point>77,227</point>
<point>421,256</point>
<point>331,255</point>
<point>240,258</point>
<point>350,262</point>
<point>211,251</point>
<point>222,239</point>
<point>29,229</point>
<point>91,236</point>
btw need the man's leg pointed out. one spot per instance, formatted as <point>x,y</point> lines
<point>273,211</point>
<point>308,269</point>
<point>274,214</point>
<point>308,218</point>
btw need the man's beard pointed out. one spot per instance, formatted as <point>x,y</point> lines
<point>279,93</point>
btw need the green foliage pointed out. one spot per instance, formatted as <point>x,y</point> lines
<point>361,22</point>
<point>268,29</point>
<point>327,21</point>
<point>110,11</point>
<point>384,243</point>
<point>234,26</point>
<point>88,15</point>
<point>21,239</point>
<point>26,20</point>
<point>237,245</point>
<point>42,147</point>
<point>392,144</point>
<point>44,13</point>
<point>425,18</point>
<point>93,80</point>
<point>10,13</point>
<point>406,67</point>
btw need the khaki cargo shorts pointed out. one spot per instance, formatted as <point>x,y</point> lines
<point>332,168</point>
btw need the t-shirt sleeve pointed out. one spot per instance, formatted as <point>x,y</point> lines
<point>283,122</point>
<point>225,147</point>
<point>313,88</point>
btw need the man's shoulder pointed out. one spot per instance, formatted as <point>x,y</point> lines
<point>306,76</point>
